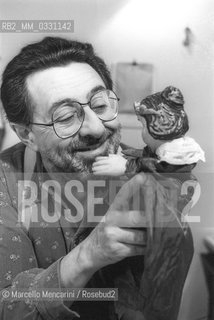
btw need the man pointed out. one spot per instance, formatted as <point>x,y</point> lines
<point>57,95</point>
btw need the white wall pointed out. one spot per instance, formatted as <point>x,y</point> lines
<point>149,31</point>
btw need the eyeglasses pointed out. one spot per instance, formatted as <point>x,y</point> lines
<point>68,119</point>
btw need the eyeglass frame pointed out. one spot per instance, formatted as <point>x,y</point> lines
<point>81,104</point>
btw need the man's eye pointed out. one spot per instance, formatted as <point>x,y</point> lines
<point>64,118</point>
<point>99,108</point>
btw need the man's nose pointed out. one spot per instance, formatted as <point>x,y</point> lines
<point>92,125</point>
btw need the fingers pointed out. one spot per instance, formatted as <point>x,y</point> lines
<point>128,250</point>
<point>106,157</point>
<point>102,166</point>
<point>132,236</point>
<point>100,163</point>
<point>107,160</point>
<point>127,219</point>
<point>101,158</point>
<point>113,165</point>
<point>109,244</point>
<point>101,169</point>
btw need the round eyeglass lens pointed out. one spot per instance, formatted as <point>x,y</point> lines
<point>105,105</point>
<point>68,119</point>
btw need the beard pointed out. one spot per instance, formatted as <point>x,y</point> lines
<point>78,155</point>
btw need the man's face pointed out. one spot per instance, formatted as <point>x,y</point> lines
<point>77,82</point>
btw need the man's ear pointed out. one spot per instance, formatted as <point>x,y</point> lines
<point>25,135</point>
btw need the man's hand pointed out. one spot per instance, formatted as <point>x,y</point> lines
<point>115,238</point>
<point>112,240</point>
<point>113,165</point>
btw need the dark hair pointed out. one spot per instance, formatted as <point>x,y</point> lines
<point>50,52</point>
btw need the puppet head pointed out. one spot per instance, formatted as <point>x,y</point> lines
<point>164,114</point>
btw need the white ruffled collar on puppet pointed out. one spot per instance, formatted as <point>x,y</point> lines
<point>180,151</point>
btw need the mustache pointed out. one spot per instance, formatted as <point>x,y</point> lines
<point>84,143</point>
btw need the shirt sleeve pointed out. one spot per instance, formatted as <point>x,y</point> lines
<point>19,269</point>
